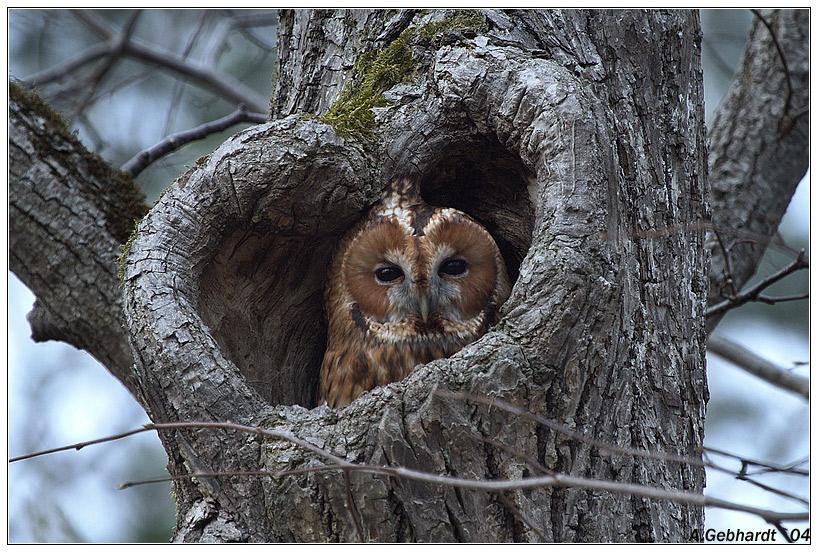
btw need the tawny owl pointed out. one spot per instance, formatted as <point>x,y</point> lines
<point>409,284</point>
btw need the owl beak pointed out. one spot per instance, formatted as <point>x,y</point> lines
<point>424,309</point>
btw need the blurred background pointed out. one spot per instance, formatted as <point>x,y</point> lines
<point>59,395</point>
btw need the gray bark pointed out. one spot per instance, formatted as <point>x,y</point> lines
<point>603,329</point>
<point>758,147</point>
<point>69,213</point>
<point>577,138</point>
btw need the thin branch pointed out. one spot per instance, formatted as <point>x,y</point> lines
<point>553,480</point>
<point>753,293</point>
<point>224,85</point>
<point>561,428</point>
<point>758,366</point>
<point>499,485</point>
<point>728,265</point>
<point>743,475</point>
<point>78,446</point>
<point>781,529</point>
<point>791,468</point>
<point>115,53</point>
<point>179,85</point>
<point>568,432</point>
<point>272,433</point>
<point>241,21</point>
<point>93,20</point>
<point>143,159</point>
<point>771,489</point>
<point>782,298</point>
<point>65,68</point>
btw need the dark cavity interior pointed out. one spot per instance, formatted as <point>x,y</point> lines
<point>484,180</point>
<point>262,294</point>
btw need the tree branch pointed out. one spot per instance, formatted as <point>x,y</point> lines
<point>61,70</point>
<point>758,366</point>
<point>754,293</point>
<point>68,214</point>
<point>758,151</point>
<point>143,159</point>
<point>766,467</point>
<point>781,56</point>
<point>224,85</point>
<point>121,44</point>
<point>337,463</point>
<point>555,480</point>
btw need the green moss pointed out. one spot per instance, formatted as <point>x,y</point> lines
<point>374,72</point>
<point>379,70</point>
<point>463,19</point>
<point>124,249</point>
<point>119,198</point>
<point>32,102</point>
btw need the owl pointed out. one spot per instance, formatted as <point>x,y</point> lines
<point>409,284</point>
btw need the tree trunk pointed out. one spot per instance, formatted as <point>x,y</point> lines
<point>577,139</point>
<point>572,150</point>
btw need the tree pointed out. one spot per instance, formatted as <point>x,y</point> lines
<point>576,137</point>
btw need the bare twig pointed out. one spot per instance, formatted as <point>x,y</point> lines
<point>224,85</point>
<point>271,433</point>
<point>782,298</point>
<point>141,160</point>
<point>753,293</point>
<point>771,489</point>
<point>614,449</point>
<point>499,485</point>
<point>728,265</point>
<point>179,85</point>
<point>93,20</point>
<point>568,432</point>
<point>66,68</point>
<point>791,468</point>
<point>118,45</point>
<point>744,475</point>
<point>241,21</point>
<point>758,366</point>
<point>337,463</point>
<point>78,446</point>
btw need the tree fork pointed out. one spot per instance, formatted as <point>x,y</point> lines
<point>517,141</point>
<point>542,126</point>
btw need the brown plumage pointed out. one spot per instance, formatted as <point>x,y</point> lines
<point>409,284</point>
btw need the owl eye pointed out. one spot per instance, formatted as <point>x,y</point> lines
<point>388,274</point>
<point>453,267</point>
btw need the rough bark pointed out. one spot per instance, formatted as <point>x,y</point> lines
<point>577,139</point>
<point>69,213</point>
<point>585,130</point>
<point>758,147</point>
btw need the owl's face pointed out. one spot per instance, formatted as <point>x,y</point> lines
<point>410,284</point>
<point>415,272</point>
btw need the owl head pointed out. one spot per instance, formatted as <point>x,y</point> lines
<point>413,272</point>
